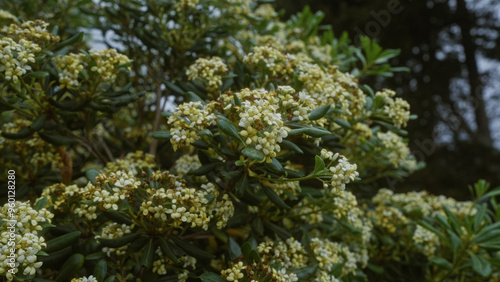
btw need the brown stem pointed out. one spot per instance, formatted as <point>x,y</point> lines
<point>156,124</point>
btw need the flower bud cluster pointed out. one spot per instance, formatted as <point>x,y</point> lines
<point>271,60</point>
<point>185,5</point>
<point>328,254</point>
<point>35,31</point>
<point>105,63</point>
<point>397,109</point>
<point>114,230</point>
<point>396,150</point>
<point>186,121</point>
<point>342,173</point>
<point>209,70</point>
<point>174,205</point>
<point>23,222</point>
<point>388,218</point>
<point>16,57</point>
<point>90,278</point>
<point>427,239</point>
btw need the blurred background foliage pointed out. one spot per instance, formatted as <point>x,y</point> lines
<point>453,51</point>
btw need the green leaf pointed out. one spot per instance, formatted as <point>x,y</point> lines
<point>23,133</point>
<point>241,185</point>
<point>118,242</point>
<point>480,265</point>
<point>228,128</point>
<point>441,262</point>
<point>100,270</point>
<point>277,200</point>
<point>94,256</point>
<point>40,204</point>
<point>148,254</point>
<point>204,169</point>
<point>454,240</point>
<point>62,242</point>
<point>254,256</point>
<point>191,96</point>
<point>110,279</point>
<point>378,102</point>
<point>237,100</point>
<point>319,112</point>
<point>298,131</point>
<point>278,230</point>
<point>292,146</point>
<point>234,249</point>
<point>246,248</point>
<point>162,135</point>
<point>176,89</point>
<point>57,140</point>
<point>39,74</point>
<point>318,132</point>
<point>91,174</point>
<point>319,164</point>
<point>375,268</point>
<point>479,216</point>
<point>39,123</point>
<point>253,153</point>
<point>343,123</point>
<point>192,250</point>
<point>274,166</point>
<point>305,272</point>
<point>71,267</point>
<point>118,217</point>
<point>167,251</point>
<point>257,226</point>
<point>211,277</point>
<point>75,39</point>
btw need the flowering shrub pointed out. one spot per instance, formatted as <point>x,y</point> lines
<point>265,167</point>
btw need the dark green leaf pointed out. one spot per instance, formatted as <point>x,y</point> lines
<point>39,74</point>
<point>91,174</point>
<point>274,166</point>
<point>277,200</point>
<point>233,248</point>
<point>192,250</point>
<point>176,89</point>
<point>75,39</point>
<point>118,242</point>
<point>57,140</point>
<point>211,277</point>
<point>39,123</point>
<point>100,270</point>
<point>148,254</point>
<point>23,133</point>
<point>305,272</point>
<point>241,185</point>
<point>62,242</point>
<point>441,262</point>
<point>319,112</point>
<point>162,135</point>
<point>480,265</point>
<point>40,204</point>
<point>94,256</point>
<point>228,128</point>
<point>253,153</point>
<point>167,251</point>
<point>70,267</point>
<point>292,146</point>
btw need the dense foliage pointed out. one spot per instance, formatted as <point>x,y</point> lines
<point>260,172</point>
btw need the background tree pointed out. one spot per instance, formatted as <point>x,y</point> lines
<point>452,51</point>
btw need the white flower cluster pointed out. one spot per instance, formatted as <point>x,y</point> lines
<point>342,173</point>
<point>427,239</point>
<point>208,70</point>
<point>271,60</point>
<point>91,278</point>
<point>186,121</point>
<point>114,230</point>
<point>397,150</point>
<point>19,239</point>
<point>261,122</point>
<point>397,109</point>
<point>329,253</point>
<point>173,204</point>
<point>16,57</point>
<point>105,63</point>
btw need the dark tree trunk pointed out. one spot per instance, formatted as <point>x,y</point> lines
<point>466,22</point>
